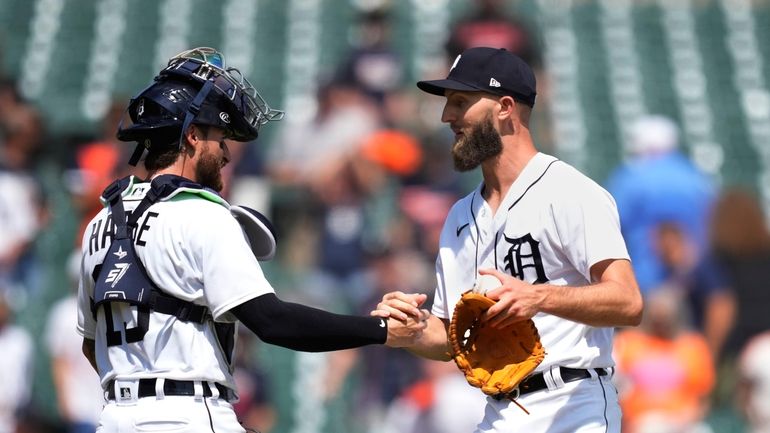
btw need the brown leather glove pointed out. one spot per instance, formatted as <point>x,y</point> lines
<point>494,360</point>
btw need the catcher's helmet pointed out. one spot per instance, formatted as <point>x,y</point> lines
<point>195,88</point>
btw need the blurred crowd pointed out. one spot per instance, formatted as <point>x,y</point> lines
<point>358,196</point>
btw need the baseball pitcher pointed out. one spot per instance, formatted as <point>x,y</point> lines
<point>552,237</point>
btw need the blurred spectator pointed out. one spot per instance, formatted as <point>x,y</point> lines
<point>395,151</point>
<point>386,375</point>
<point>305,155</point>
<point>442,402</point>
<point>21,127</point>
<point>320,162</point>
<point>79,395</point>
<point>254,407</point>
<point>490,25</point>
<point>97,163</point>
<point>741,240</point>
<point>343,226</point>
<point>15,368</point>
<point>244,178</point>
<point>388,161</point>
<point>22,204</point>
<point>753,393</point>
<point>701,279</point>
<point>664,371</point>
<point>426,208</point>
<point>658,184</point>
<point>372,64</point>
<point>377,69</point>
<point>22,215</point>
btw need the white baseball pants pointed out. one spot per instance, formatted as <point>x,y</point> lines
<point>179,414</point>
<point>583,406</point>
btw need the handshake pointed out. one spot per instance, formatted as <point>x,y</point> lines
<point>405,320</point>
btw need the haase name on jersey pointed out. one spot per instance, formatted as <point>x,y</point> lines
<point>102,231</point>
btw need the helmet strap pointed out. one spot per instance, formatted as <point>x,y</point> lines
<point>194,108</point>
<point>138,150</point>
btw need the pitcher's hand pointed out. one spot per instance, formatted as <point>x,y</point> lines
<point>400,305</point>
<point>516,300</point>
<point>405,333</point>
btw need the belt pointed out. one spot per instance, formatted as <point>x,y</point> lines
<point>174,387</point>
<point>537,382</point>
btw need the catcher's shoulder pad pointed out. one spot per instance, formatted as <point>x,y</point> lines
<point>259,231</point>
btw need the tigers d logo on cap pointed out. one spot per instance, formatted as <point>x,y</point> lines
<point>484,69</point>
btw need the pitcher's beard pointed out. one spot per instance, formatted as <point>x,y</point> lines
<point>481,143</point>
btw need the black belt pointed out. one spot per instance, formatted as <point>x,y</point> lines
<point>537,382</point>
<point>173,387</point>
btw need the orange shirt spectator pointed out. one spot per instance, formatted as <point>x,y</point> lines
<point>664,372</point>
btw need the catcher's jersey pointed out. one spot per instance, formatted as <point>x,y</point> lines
<point>552,226</point>
<point>194,250</point>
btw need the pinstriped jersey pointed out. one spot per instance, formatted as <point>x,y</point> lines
<point>552,226</point>
<point>194,250</point>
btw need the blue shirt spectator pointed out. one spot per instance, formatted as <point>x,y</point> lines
<point>658,184</point>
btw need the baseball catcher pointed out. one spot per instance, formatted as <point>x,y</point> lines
<point>169,268</point>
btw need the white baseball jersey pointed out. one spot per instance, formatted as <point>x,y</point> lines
<point>15,374</point>
<point>194,250</point>
<point>551,227</point>
<point>80,390</point>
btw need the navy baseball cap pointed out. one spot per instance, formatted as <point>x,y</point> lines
<point>492,70</point>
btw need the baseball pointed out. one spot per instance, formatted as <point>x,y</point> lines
<point>486,283</point>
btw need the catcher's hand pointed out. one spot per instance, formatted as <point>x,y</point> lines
<point>494,360</point>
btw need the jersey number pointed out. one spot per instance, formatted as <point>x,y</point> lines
<point>132,334</point>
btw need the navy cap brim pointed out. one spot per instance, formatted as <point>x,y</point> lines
<point>437,87</point>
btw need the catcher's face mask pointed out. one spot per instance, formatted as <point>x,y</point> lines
<point>196,87</point>
<point>207,66</point>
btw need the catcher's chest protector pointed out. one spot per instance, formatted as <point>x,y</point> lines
<point>123,278</point>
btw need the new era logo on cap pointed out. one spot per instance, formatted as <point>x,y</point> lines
<point>484,69</point>
<point>457,59</point>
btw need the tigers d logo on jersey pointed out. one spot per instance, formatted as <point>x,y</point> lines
<point>523,258</point>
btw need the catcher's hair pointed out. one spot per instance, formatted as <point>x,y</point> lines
<point>738,224</point>
<point>161,157</point>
